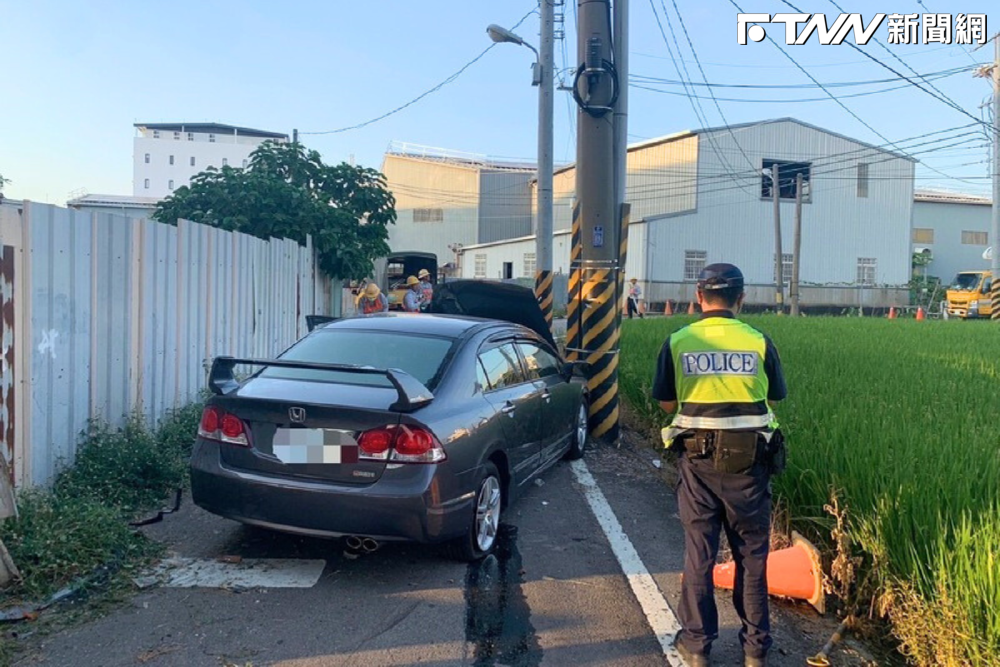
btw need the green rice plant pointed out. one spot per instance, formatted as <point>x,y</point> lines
<point>900,417</point>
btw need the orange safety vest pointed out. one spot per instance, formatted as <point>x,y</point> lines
<point>371,306</point>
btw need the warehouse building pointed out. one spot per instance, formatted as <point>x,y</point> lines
<point>704,196</point>
<point>954,229</point>
<point>446,199</point>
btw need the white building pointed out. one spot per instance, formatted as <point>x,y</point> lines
<point>701,196</point>
<point>955,229</point>
<point>446,199</point>
<point>166,155</point>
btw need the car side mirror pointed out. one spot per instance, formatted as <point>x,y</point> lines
<point>572,368</point>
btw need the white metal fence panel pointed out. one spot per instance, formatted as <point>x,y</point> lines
<point>111,251</point>
<point>157,313</point>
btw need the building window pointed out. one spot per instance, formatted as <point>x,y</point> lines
<point>975,238</point>
<point>923,235</point>
<point>190,136</point>
<point>156,134</point>
<point>787,174</point>
<point>428,215</point>
<point>170,184</point>
<point>225,162</point>
<point>863,180</point>
<point>480,266</point>
<point>529,264</point>
<point>694,262</point>
<point>786,268</point>
<point>146,184</point>
<point>171,159</point>
<point>211,138</point>
<point>192,160</point>
<point>866,271</point>
<point>147,158</point>
<point>177,136</point>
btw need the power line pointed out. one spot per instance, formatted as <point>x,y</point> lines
<point>802,86</point>
<point>425,93</point>
<point>755,66</point>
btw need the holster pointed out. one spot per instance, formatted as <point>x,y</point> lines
<point>775,454</point>
<point>733,452</point>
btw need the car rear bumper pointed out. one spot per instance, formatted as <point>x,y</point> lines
<point>404,504</point>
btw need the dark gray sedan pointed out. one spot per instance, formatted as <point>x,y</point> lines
<point>394,427</point>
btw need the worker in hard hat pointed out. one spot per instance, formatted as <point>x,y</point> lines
<point>720,378</point>
<point>414,296</point>
<point>634,294</point>
<point>426,289</point>
<point>372,301</point>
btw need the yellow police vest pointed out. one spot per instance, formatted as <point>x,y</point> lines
<point>720,378</point>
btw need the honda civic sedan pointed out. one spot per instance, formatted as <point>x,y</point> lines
<point>394,426</point>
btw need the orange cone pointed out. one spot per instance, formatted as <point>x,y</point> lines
<point>794,572</point>
<point>892,313</point>
<point>920,314</point>
<point>691,310</point>
<point>668,309</point>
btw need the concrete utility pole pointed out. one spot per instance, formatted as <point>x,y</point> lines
<point>779,280</point>
<point>796,247</point>
<point>592,332</point>
<point>620,32</point>
<point>543,230</point>
<point>995,235</point>
<point>295,136</point>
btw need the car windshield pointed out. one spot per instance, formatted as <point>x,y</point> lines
<point>420,356</point>
<point>966,282</point>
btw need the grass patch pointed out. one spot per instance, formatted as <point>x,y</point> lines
<point>893,416</point>
<point>81,522</point>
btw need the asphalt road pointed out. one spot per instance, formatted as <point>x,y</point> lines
<point>555,594</point>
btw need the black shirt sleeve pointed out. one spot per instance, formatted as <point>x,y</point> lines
<point>664,388</point>
<point>776,391</point>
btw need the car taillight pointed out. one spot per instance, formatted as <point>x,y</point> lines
<point>401,444</point>
<point>221,426</point>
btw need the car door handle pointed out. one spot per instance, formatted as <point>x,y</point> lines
<point>547,396</point>
<point>508,408</point>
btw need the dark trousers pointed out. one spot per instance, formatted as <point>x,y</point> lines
<point>710,502</point>
<point>633,308</point>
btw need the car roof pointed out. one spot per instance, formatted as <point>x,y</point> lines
<point>448,326</point>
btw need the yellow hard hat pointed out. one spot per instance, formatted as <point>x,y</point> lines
<point>411,281</point>
<point>635,280</point>
<point>424,273</point>
<point>372,291</point>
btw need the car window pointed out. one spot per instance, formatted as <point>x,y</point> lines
<point>501,367</point>
<point>539,362</point>
<point>420,356</point>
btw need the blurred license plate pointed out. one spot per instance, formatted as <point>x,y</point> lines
<point>315,445</point>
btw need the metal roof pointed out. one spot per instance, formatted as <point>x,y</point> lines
<point>457,158</point>
<point>215,128</point>
<point>113,201</point>
<point>945,197</point>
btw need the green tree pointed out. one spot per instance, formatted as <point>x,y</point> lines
<point>287,192</point>
<point>3,181</point>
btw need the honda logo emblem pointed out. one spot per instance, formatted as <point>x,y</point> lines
<point>297,415</point>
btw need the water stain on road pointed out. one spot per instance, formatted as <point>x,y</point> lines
<point>497,616</point>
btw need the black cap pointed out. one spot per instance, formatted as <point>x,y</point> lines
<point>720,276</point>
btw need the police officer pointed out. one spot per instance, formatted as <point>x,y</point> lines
<point>720,377</point>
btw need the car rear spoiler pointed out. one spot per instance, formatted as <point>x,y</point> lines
<point>412,393</point>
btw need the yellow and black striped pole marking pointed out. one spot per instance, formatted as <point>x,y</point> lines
<point>600,321</point>
<point>626,214</point>
<point>995,298</point>
<point>573,306</point>
<point>543,292</point>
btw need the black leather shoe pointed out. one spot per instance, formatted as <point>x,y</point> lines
<point>691,659</point>
<point>754,662</point>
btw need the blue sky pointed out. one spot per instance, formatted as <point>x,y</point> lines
<point>76,76</point>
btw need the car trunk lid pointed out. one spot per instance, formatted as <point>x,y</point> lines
<point>492,300</point>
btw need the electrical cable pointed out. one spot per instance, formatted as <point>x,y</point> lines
<point>800,86</point>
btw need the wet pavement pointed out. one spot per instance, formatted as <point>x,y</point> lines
<point>552,594</point>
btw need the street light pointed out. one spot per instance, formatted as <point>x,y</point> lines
<point>541,77</point>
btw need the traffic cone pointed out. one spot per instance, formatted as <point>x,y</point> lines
<point>920,314</point>
<point>691,310</point>
<point>668,309</point>
<point>794,572</point>
<point>892,313</point>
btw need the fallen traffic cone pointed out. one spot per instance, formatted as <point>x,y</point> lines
<point>920,314</point>
<point>668,309</point>
<point>691,310</point>
<point>794,572</point>
<point>892,313</point>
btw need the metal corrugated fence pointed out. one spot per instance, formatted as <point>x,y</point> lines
<point>112,315</point>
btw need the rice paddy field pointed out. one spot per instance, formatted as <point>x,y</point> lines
<point>900,421</point>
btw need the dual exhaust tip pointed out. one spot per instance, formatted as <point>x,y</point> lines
<point>362,544</point>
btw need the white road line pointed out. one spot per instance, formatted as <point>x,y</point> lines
<point>658,613</point>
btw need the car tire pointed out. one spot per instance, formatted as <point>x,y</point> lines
<point>581,432</point>
<point>480,538</point>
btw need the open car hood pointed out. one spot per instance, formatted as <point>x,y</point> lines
<point>491,300</point>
